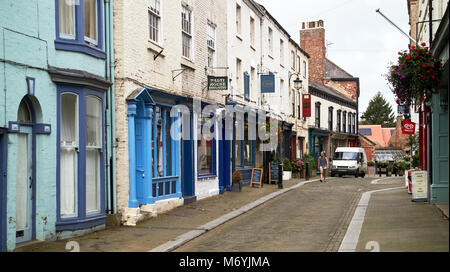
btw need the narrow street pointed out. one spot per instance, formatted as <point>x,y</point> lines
<point>315,218</point>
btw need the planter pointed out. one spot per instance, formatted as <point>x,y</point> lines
<point>287,175</point>
<point>236,187</point>
<point>401,173</point>
<point>371,171</point>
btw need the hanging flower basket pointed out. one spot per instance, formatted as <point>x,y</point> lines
<point>416,75</point>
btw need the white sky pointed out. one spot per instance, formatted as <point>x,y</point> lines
<point>364,43</point>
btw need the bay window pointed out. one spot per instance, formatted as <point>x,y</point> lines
<point>79,26</point>
<point>81,164</point>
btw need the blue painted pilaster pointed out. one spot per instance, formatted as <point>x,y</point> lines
<point>148,116</point>
<point>178,158</point>
<point>132,200</point>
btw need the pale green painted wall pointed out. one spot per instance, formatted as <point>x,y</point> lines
<point>27,35</point>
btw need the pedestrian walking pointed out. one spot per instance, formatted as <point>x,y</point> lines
<point>323,165</point>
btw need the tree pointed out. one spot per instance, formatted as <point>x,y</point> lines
<point>379,112</point>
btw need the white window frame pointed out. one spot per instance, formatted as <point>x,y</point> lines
<point>185,8</point>
<point>238,19</point>
<point>252,31</point>
<point>157,12</point>
<point>270,40</point>
<point>211,36</point>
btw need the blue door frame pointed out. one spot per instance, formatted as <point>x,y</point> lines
<point>3,167</point>
<point>224,165</point>
<point>187,165</point>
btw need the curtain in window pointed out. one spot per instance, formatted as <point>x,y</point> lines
<point>90,20</point>
<point>204,156</point>
<point>22,182</point>
<point>67,18</point>
<point>68,154</point>
<point>93,152</point>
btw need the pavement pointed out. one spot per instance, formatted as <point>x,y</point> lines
<point>165,227</point>
<point>304,216</point>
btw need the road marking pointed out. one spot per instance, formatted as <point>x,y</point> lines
<point>351,237</point>
<point>190,235</point>
<point>375,181</point>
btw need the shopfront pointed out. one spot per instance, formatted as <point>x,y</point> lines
<point>154,156</point>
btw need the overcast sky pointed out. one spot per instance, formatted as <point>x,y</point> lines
<point>363,42</point>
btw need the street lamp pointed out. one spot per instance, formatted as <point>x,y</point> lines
<point>297,83</point>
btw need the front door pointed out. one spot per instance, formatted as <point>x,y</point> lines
<point>24,184</point>
<point>2,191</point>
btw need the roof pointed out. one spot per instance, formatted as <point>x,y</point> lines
<point>334,71</point>
<point>330,91</point>
<point>378,135</point>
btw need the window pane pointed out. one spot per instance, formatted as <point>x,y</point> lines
<point>68,153</point>
<point>248,154</point>
<point>93,122</point>
<point>92,180</point>
<point>68,181</point>
<point>66,19</point>
<point>204,156</point>
<point>168,146</point>
<point>159,142</point>
<point>69,120</point>
<point>90,21</point>
<point>154,22</point>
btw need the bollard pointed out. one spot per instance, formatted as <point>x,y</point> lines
<point>307,170</point>
<point>379,170</point>
<point>280,176</point>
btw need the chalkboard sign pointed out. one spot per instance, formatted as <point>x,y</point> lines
<point>256,177</point>
<point>274,172</point>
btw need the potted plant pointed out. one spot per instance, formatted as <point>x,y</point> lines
<point>309,160</point>
<point>298,168</point>
<point>287,169</point>
<point>237,177</point>
<point>389,170</point>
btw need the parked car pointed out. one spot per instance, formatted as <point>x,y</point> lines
<point>349,161</point>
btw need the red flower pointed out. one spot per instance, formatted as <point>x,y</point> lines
<point>408,57</point>
<point>423,44</point>
<point>424,65</point>
<point>413,46</point>
<point>433,77</point>
<point>403,66</point>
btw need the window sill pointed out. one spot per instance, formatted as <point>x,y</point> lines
<point>155,48</point>
<point>206,176</point>
<point>187,62</point>
<point>80,47</point>
<point>77,223</point>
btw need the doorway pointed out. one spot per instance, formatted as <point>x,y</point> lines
<point>3,158</point>
<point>24,174</point>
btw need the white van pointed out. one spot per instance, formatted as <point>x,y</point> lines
<point>349,161</point>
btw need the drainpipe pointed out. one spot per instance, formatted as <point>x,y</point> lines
<point>430,23</point>
<point>111,98</point>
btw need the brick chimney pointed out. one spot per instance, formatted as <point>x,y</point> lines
<point>312,40</point>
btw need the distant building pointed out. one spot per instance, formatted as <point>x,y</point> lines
<point>334,92</point>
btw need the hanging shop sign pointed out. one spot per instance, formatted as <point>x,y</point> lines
<point>306,98</point>
<point>217,83</point>
<point>267,83</point>
<point>408,127</point>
